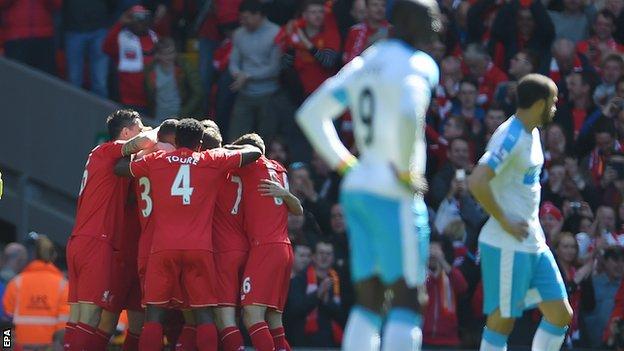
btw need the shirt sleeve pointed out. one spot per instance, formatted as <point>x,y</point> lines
<point>140,167</point>
<point>227,159</point>
<point>113,150</point>
<point>501,148</point>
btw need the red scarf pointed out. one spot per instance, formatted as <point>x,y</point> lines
<point>311,325</point>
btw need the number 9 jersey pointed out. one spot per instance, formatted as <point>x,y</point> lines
<point>387,90</point>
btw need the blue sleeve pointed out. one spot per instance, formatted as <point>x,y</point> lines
<point>501,146</point>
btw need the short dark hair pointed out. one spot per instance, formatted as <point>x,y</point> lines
<point>120,119</point>
<point>446,245</point>
<point>189,133</point>
<point>251,139</point>
<point>532,88</point>
<point>416,21</point>
<point>608,15</point>
<point>532,57</point>
<point>612,252</point>
<point>212,139</point>
<point>253,6</point>
<point>167,128</point>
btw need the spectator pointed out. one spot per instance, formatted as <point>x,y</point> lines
<point>481,16</point>
<point>493,118</point>
<point>130,42</point>
<point>314,303</point>
<point>364,34</point>
<point>302,257</point>
<point>311,45</point>
<point>444,285</point>
<point>302,186</point>
<point>28,31</point>
<point>278,151</point>
<point>459,159</point>
<point>254,65</point>
<point>521,25</point>
<point>614,186</point>
<point>448,88</point>
<point>522,63</point>
<point>577,116</point>
<point>85,24</point>
<point>578,282</point>
<point>556,145</point>
<point>606,285</point>
<point>37,297</point>
<point>172,85</point>
<point>553,190</point>
<point>605,145</point>
<point>602,42</point>
<point>573,22</point>
<point>466,104</point>
<point>224,97</point>
<point>453,127</point>
<point>611,72</point>
<point>14,259</point>
<point>338,236</point>
<point>480,66</point>
<point>564,61</point>
<point>605,227</point>
<point>551,220</point>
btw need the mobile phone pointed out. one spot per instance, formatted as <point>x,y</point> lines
<point>460,175</point>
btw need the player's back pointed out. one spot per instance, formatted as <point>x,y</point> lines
<point>266,218</point>
<point>380,93</point>
<point>228,225</point>
<point>184,185</point>
<point>102,195</point>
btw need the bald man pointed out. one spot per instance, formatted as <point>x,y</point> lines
<point>14,259</point>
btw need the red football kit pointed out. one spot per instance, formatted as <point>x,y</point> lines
<point>184,186</point>
<point>99,217</point>
<point>146,207</point>
<point>125,285</point>
<point>230,243</point>
<point>267,272</point>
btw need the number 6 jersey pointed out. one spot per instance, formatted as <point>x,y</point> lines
<point>184,188</point>
<point>387,90</point>
<point>265,217</point>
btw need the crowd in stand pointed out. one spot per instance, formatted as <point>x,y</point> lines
<point>249,64</point>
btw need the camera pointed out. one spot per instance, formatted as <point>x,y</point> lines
<point>575,205</point>
<point>460,175</point>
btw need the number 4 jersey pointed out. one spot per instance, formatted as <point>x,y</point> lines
<point>184,188</point>
<point>265,217</point>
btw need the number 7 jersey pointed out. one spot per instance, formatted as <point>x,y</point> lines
<point>388,90</point>
<point>184,188</point>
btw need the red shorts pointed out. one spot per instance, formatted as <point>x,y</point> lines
<point>141,269</point>
<point>125,285</point>
<point>267,276</point>
<point>230,268</point>
<point>177,276</point>
<point>89,269</point>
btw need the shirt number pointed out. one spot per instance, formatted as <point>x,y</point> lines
<point>239,193</point>
<point>145,183</point>
<point>366,106</point>
<point>182,185</point>
<point>278,200</point>
<point>83,182</point>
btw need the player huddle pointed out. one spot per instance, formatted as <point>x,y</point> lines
<point>170,219</point>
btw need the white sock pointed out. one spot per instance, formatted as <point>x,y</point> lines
<point>402,331</point>
<point>362,331</point>
<point>493,341</point>
<point>548,337</point>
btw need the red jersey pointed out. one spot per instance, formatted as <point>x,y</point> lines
<point>102,196</point>
<point>145,204</point>
<point>228,232</point>
<point>184,187</point>
<point>266,218</point>
<point>128,241</point>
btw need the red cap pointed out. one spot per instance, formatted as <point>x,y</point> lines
<point>549,209</point>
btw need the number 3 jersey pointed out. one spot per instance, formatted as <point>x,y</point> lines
<point>265,217</point>
<point>387,89</point>
<point>184,188</point>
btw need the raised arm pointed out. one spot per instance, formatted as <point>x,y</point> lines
<point>144,140</point>
<point>249,154</point>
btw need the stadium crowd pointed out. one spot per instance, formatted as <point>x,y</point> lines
<point>249,68</point>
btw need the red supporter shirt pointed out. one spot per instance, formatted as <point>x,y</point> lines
<point>103,195</point>
<point>357,39</point>
<point>266,218</point>
<point>228,232</point>
<point>184,187</point>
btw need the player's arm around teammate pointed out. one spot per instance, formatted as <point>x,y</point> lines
<point>274,189</point>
